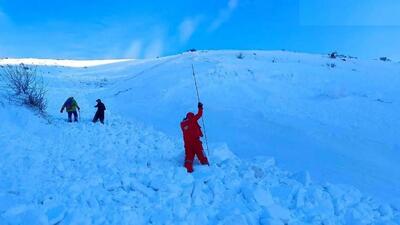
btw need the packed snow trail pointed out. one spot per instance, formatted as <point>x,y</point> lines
<point>125,173</point>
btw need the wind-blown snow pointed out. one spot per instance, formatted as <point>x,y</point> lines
<point>309,116</point>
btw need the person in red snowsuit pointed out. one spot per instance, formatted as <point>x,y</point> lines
<point>191,136</point>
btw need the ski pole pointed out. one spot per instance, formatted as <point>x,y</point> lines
<point>202,118</point>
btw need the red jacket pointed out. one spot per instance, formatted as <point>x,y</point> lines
<point>190,127</point>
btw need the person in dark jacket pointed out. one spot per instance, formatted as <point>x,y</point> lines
<point>100,112</point>
<point>71,105</point>
<point>191,136</point>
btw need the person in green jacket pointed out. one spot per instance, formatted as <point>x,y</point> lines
<point>71,105</point>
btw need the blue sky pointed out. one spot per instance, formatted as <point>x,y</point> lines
<point>142,29</point>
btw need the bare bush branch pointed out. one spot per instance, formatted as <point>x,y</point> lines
<point>22,85</point>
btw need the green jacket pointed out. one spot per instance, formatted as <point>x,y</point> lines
<point>70,105</point>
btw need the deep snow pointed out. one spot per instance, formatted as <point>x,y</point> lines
<point>338,123</point>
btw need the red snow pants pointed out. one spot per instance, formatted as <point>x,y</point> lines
<point>192,148</point>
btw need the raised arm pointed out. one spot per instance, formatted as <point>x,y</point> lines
<point>200,112</point>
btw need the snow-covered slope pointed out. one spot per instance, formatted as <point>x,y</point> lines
<point>336,122</point>
<point>337,119</point>
<point>60,62</point>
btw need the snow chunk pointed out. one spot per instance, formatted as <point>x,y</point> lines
<point>222,154</point>
<point>263,197</point>
<point>302,177</point>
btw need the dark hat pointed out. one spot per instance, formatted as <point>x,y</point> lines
<point>98,100</point>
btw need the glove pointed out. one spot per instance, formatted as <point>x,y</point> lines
<point>200,105</point>
<point>61,111</point>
